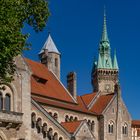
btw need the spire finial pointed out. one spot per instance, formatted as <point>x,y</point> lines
<point>104,34</point>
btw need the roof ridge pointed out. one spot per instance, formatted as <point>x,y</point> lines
<point>94,100</point>
<point>64,87</point>
<point>83,102</point>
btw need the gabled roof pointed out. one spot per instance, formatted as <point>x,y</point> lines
<point>79,107</point>
<point>136,123</point>
<point>87,98</point>
<point>52,88</point>
<point>71,127</point>
<point>50,46</point>
<point>101,103</point>
<point>47,90</point>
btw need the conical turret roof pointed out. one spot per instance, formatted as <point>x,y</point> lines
<point>50,46</point>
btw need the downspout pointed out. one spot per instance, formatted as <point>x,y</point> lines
<point>118,92</point>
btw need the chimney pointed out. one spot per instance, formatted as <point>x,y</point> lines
<point>71,84</point>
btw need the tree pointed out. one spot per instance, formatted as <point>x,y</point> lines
<point>13,16</point>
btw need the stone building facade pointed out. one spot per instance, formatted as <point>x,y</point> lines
<point>37,106</point>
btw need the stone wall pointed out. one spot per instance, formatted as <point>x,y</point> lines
<point>81,116</point>
<point>123,118</point>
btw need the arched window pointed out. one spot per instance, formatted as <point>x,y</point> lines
<point>50,133</point>
<point>50,113</point>
<point>55,116</point>
<point>56,62</point>
<point>39,125</point>
<point>75,118</point>
<point>33,120</point>
<point>125,129</point>
<point>89,124</point>
<point>92,126</point>
<point>44,130</point>
<point>7,102</point>
<point>110,127</point>
<point>55,137</point>
<point>1,102</point>
<point>60,138</point>
<point>66,118</point>
<point>71,118</point>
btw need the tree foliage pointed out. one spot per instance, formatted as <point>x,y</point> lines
<point>13,16</point>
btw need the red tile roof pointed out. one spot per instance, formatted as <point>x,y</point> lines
<point>52,92</point>
<point>135,123</point>
<point>87,98</point>
<point>71,127</point>
<point>79,107</point>
<point>52,88</point>
<point>101,103</point>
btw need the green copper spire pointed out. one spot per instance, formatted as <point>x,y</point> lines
<point>104,33</point>
<point>99,66</point>
<point>115,63</point>
<point>104,49</point>
<point>104,42</point>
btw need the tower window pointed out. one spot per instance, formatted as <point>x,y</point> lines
<point>7,102</point>
<point>56,62</point>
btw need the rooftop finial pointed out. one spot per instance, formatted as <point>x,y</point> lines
<point>104,34</point>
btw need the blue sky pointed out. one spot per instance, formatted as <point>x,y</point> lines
<point>76,28</point>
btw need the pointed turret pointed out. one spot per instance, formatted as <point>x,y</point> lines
<point>105,76</point>
<point>115,62</point>
<point>50,56</point>
<point>104,47</point>
<point>104,33</point>
<point>49,46</point>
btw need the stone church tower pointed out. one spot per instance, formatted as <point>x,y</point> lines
<point>50,56</point>
<point>105,71</point>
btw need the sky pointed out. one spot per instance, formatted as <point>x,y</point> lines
<point>76,28</point>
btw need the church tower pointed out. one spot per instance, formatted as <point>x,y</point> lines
<point>105,71</point>
<point>50,56</point>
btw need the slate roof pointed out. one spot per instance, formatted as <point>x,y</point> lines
<point>50,46</point>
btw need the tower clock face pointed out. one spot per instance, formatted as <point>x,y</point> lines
<point>107,87</point>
